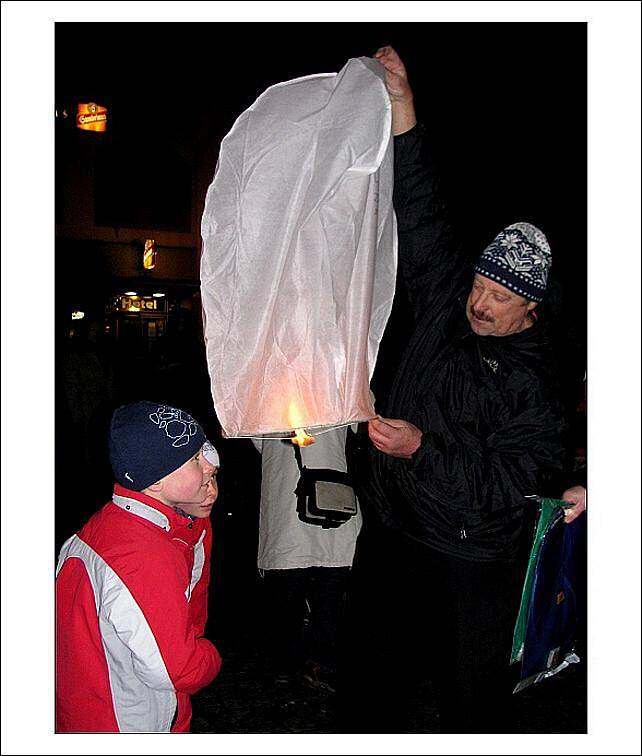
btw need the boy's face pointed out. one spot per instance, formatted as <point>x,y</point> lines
<point>203,509</point>
<point>192,487</point>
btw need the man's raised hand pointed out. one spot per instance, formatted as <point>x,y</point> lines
<point>403,108</point>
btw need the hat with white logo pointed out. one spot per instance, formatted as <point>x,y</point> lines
<point>148,441</point>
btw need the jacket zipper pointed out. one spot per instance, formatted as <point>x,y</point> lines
<point>462,531</point>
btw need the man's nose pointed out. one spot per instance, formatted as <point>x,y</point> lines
<point>479,302</point>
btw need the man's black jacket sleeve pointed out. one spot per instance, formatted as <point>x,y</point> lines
<point>430,255</point>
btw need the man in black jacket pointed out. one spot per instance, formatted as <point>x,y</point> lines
<point>473,424</point>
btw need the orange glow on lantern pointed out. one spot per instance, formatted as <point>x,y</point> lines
<point>300,436</point>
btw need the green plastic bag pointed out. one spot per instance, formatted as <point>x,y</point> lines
<point>550,511</point>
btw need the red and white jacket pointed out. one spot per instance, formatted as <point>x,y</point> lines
<point>131,607</point>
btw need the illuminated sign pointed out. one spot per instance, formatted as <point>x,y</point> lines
<point>91,117</point>
<point>149,254</point>
<point>138,304</point>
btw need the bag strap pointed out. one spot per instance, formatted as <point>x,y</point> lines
<point>299,460</point>
<point>297,456</point>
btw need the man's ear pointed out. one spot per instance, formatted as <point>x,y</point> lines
<point>531,306</point>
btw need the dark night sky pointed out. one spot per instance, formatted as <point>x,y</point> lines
<point>505,103</point>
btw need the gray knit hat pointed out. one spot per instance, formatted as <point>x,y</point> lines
<point>519,257</point>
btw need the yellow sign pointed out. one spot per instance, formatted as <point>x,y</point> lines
<point>137,304</point>
<point>91,117</point>
<point>149,254</point>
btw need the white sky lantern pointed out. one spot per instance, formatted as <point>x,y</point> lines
<point>300,255</point>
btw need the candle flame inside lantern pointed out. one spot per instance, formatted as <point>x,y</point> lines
<point>300,436</point>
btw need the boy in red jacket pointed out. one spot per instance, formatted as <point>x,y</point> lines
<point>131,585</point>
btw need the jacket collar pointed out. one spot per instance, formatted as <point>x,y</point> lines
<point>148,508</point>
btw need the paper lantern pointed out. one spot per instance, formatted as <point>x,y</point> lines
<point>299,255</point>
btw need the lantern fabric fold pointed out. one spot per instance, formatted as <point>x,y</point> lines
<point>299,254</point>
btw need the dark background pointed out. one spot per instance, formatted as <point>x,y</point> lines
<point>505,104</point>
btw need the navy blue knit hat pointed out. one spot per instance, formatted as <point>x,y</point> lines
<point>519,257</point>
<point>148,441</point>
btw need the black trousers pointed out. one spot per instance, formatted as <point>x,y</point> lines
<point>413,614</point>
<point>290,642</point>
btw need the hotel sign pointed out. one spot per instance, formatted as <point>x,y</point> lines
<point>139,304</point>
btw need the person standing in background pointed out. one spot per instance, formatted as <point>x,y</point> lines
<point>305,567</point>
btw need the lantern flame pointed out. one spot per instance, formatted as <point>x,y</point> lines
<point>300,436</point>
